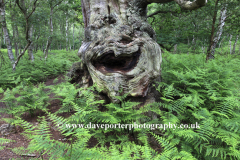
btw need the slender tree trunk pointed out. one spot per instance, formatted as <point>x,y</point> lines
<point>16,40</point>
<point>234,46</point>
<point>4,41</point>
<point>1,40</point>
<point>62,31</point>
<point>28,26</point>
<point>219,46</point>
<point>73,37</point>
<point>230,43</point>
<point>203,46</point>
<point>203,49</point>
<point>30,48</point>
<point>36,46</point>
<point>15,34</point>
<point>193,44</point>
<point>69,40</point>
<point>214,40</point>
<point>66,33</point>
<point>51,34</point>
<point>43,48</point>
<point>14,28</point>
<point>6,34</point>
<point>175,48</point>
<point>81,35</point>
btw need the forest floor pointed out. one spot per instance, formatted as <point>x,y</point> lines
<point>21,141</point>
<point>19,138</point>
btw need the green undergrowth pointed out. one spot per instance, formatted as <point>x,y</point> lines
<point>224,49</point>
<point>25,97</point>
<point>57,62</point>
<point>202,96</point>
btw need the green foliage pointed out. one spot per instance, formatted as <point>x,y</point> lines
<point>57,62</point>
<point>204,96</point>
<point>207,94</point>
<point>3,140</point>
<point>86,110</point>
<point>193,29</point>
<point>29,98</point>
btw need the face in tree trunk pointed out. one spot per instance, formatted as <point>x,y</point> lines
<point>119,49</point>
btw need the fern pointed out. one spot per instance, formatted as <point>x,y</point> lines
<point>192,92</point>
<point>3,140</point>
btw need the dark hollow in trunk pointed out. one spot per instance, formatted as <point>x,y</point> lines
<point>108,62</point>
<point>119,49</point>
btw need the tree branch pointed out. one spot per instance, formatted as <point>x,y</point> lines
<point>159,1</point>
<point>153,14</point>
<point>188,5</point>
<point>167,48</point>
<point>55,10</point>
<point>33,9</point>
<point>191,5</point>
<point>18,58</point>
<point>23,11</point>
<point>57,4</point>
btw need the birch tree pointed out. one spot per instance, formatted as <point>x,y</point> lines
<point>53,4</point>
<point>30,48</point>
<point>14,27</point>
<point>214,39</point>
<point>66,31</point>
<point>235,43</point>
<point>27,14</point>
<point>5,31</point>
<point>73,37</point>
<point>230,44</point>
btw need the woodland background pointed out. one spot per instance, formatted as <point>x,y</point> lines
<point>39,40</point>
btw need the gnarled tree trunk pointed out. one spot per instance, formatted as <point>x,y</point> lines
<point>119,51</point>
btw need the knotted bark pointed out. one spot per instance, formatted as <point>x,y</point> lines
<point>119,49</point>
